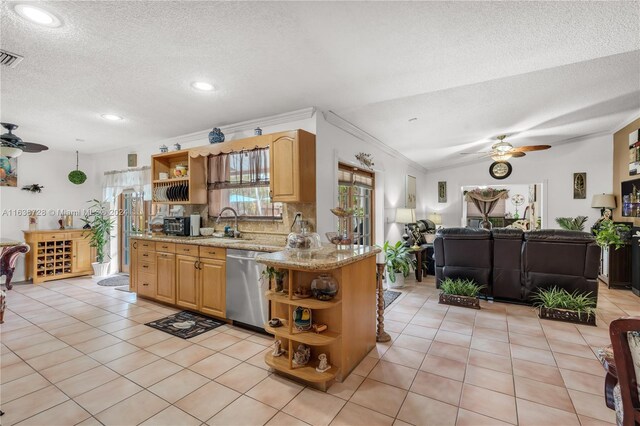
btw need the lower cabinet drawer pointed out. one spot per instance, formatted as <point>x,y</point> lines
<point>213,252</point>
<point>166,247</point>
<point>147,285</point>
<point>146,245</point>
<point>188,249</point>
<point>146,256</point>
<point>52,236</point>
<point>146,267</point>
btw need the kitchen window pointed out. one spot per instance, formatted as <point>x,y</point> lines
<point>356,192</point>
<point>240,179</point>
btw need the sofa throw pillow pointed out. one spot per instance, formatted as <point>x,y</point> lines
<point>633,337</point>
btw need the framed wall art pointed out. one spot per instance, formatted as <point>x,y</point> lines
<point>442,192</point>
<point>410,185</point>
<point>579,186</point>
<point>634,152</point>
<point>8,171</point>
<point>132,160</point>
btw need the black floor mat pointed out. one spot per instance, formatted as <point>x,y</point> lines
<point>201,324</point>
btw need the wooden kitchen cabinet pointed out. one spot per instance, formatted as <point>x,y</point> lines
<point>146,284</point>
<point>293,167</point>
<point>166,277</point>
<point>57,254</point>
<point>133,265</point>
<point>187,282</point>
<point>212,284</point>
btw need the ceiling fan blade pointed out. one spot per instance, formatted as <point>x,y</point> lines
<point>474,153</point>
<point>34,147</point>
<point>517,154</point>
<point>529,148</point>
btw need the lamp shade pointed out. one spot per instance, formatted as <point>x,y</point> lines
<point>435,218</point>
<point>601,201</point>
<point>405,215</point>
<point>10,151</point>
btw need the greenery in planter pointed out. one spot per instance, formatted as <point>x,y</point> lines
<point>555,298</point>
<point>572,223</point>
<point>460,287</point>
<point>271,273</point>
<point>611,234</point>
<point>397,259</point>
<point>97,217</point>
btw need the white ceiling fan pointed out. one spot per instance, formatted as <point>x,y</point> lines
<point>502,150</point>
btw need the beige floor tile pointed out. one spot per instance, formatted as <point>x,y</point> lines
<point>117,325</point>
<point>67,413</point>
<point>208,400</point>
<point>178,386</point>
<point>437,387</point>
<point>402,356</point>
<point>456,327</point>
<point>489,379</point>
<point>529,341</point>
<point>347,388</point>
<point>446,350</point>
<point>87,380</point>
<point>237,332</point>
<point>365,366</point>
<point>420,331</point>
<point>133,410</point>
<point>452,338</point>
<point>575,349</point>
<point>582,381</point>
<point>169,346</point>
<point>543,373</point>
<point>40,349</point>
<point>172,416</point>
<point>132,362</point>
<point>243,411</point>
<point>414,343</point>
<point>393,374</point>
<point>491,346</point>
<point>15,371</point>
<point>543,393</point>
<point>103,397</point>
<point>243,350</point>
<point>491,334</point>
<point>113,352</point>
<point>592,406</point>
<point>469,418</point>
<point>283,419</point>
<point>353,414</point>
<point>588,421</point>
<point>22,386</point>
<point>9,358</point>
<point>70,329</point>
<point>532,354</point>
<point>261,340</point>
<point>242,377</point>
<point>219,341</point>
<point>190,355</point>
<point>31,404</point>
<point>277,391</point>
<point>149,339</point>
<point>420,410</point>
<point>490,361</point>
<point>69,368</point>
<point>314,407</point>
<point>502,407</point>
<point>97,343</point>
<point>379,397</point>
<point>531,413</point>
<point>576,363</point>
<point>131,332</point>
<point>53,358</point>
<point>215,365</point>
<point>570,335</point>
<point>83,336</point>
<point>153,373</point>
<point>258,360</point>
<point>443,367</point>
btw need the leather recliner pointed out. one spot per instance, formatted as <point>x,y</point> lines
<point>513,264</point>
<point>464,253</point>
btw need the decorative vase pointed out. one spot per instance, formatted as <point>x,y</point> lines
<point>257,131</point>
<point>216,135</point>
<point>399,281</point>
<point>324,287</point>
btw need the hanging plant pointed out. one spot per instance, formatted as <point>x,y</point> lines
<point>77,176</point>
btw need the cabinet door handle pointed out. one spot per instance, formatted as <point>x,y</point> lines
<point>145,284</point>
<point>145,266</point>
<point>196,264</point>
<point>145,254</point>
<point>135,244</point>
<point>212,252</point>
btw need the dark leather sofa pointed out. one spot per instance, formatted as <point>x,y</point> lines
<point>513,264</point>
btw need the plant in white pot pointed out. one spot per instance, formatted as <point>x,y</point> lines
<point>398,263</point>
<point>99,232</point>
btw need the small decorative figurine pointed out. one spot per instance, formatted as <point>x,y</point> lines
<point>33,188</point>
<point>302,292</point>
<point>302,318</point>
<point>275,322</point>
<point>257,131</point>
<point>277,349</point>
<point>319,328</point>
<point>301,356</point>
<point>216,135</point>
<point>323,365</point>
<point>61,223</point>
<point>365,159</point>
<point>163,148</point>
<point>177,146</point>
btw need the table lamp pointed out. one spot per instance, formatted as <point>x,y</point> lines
<point>603,201</point>
<point>405,216</point>
<point>436,218</point>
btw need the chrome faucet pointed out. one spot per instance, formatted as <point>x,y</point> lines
<point>235,213</point>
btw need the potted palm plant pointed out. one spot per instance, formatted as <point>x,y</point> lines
<point>99,225</point>
<point>398,263</point>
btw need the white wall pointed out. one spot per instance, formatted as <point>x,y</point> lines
<point>334,144</point>
<point>50,169</point>
<point>554,168</point>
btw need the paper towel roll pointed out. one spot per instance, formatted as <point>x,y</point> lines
<point>195,225</point>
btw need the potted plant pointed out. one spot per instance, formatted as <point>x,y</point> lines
<point>271,273</point>
<point>398,263</point>
<point>560,305</point>
<point>611,234</point>
<point>572,223</point>
<point>460,292</point>
<point>99,226</point>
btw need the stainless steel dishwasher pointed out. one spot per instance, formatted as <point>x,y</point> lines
<point>246,302</point>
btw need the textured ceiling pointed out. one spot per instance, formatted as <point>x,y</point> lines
<point>467,70</point>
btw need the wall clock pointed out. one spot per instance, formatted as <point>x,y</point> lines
<point>500,169</point>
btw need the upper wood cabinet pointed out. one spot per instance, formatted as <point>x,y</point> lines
<point>293,167</point>
<point>190,189</point>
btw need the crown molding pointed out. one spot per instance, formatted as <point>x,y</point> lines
<point>630,119</point>
<point>334,119</point>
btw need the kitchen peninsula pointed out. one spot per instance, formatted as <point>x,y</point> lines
<point>349,316</point>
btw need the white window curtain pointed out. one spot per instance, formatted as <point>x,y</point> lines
<point>116,181</point>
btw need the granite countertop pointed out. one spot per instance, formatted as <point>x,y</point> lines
<point>326,259</point>
<point>7,242</point>
<point>239,244</point>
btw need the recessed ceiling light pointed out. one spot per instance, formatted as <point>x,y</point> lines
<point>111,117</point>
<point>37,15</point>
<point>202,86</point>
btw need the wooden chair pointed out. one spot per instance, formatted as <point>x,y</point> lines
<point>8,259</point>
<point>625,345</point>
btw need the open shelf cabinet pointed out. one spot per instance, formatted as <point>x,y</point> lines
<point>189,189</point>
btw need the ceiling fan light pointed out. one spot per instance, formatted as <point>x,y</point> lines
<point>501,157</point>
<point>502,147</point>
<point>10,151</point>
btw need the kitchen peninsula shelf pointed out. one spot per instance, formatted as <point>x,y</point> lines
<point>307,373</point>
<point>308,302</point>
<point>307,337</point>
